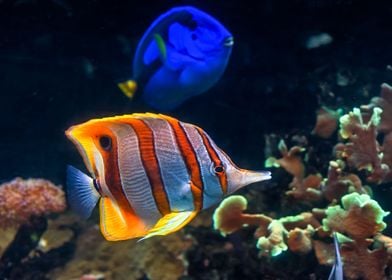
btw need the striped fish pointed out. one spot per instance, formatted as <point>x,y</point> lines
<point>150,173</point>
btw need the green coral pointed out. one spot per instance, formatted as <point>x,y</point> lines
<point>355,118</point>
<point>274,244</point>
<point>360,217</point>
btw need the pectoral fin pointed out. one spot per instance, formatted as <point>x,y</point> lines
<point>161,46</point>
<point>170,223</point>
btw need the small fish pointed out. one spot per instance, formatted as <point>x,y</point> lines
<point>337,269</point>
<point>150,173</point>
<point>182,54</point>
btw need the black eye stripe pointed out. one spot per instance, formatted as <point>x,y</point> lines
<point>105,142</point>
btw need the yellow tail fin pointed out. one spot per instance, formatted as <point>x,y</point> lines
<point>128,88</point>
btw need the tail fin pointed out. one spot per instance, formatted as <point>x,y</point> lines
<point>81,193</point>
<point>128,88</point>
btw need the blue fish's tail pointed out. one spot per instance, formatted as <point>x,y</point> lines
<point>81,192</point>
<point>129,88</point>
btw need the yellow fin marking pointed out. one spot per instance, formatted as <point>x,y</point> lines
<point>170,223</point>
<point>128,88</point>
<point>161,46</point>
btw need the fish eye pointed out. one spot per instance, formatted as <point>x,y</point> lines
<point>105,142</point>
<point>229,41</point>
<point>219,169</point>
<point>194,36</point>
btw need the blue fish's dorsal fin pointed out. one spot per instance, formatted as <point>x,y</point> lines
<point>81,193</point>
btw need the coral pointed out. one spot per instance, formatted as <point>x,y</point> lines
<point>307,189</point>
<point>363,263</point>
<point>346,207</point>
<point>326,123</point>
<point>362,151</point>
<point>22,199</point>
<point>301,189</point>
<point>360,219</point>
<point>290,161</point>
<point>229,216</point>
<point>24,204</point>
<point>155,258</point>
<point>274,243</point>
<point>385,103</point>
<point>337,183</point>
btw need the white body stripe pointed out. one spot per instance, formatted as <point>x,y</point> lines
<point>173,170</point>
<point>212,191</point>
<point>134,180</point>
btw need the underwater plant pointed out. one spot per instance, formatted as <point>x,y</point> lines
<point>337,202</point>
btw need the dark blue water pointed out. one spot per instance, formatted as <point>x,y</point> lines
<point>61,60</point>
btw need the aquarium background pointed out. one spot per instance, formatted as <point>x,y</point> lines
<point>61,60</point>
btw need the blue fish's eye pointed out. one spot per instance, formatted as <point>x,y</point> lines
<point>229,41</point>
<point>194,36</point>
<point>105,142</point>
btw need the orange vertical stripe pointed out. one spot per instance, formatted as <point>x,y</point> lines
<point>151,164</point>
<point>190,159</point>
<point>113,181</point>
<point>215,159</point>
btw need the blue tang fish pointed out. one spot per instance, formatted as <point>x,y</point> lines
<point>151,174</point>
<point>182,54</point>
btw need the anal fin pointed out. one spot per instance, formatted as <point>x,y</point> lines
<point>170,223</point>
<point>117,224</point>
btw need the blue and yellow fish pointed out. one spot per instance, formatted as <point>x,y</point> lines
<point>150,173</point>
<point>182,54</point>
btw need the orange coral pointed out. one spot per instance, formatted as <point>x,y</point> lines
<point>21,199</point>
<point>362,263</point>
<point>290,161</point>
<point>307,189</point>
<point>362,151</point>
<point>385,103</point>
<point>326,123</point>
<point>229,216</point>
<point>338,184</point>
<point>300,240</point>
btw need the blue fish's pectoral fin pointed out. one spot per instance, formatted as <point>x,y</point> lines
<point>337,269</point>
<point>81,193</point>
<point>128,88</point>
<point>118,224</point>
<point>161,46</point>
<point>156,50</point>
<point>170,223</point>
